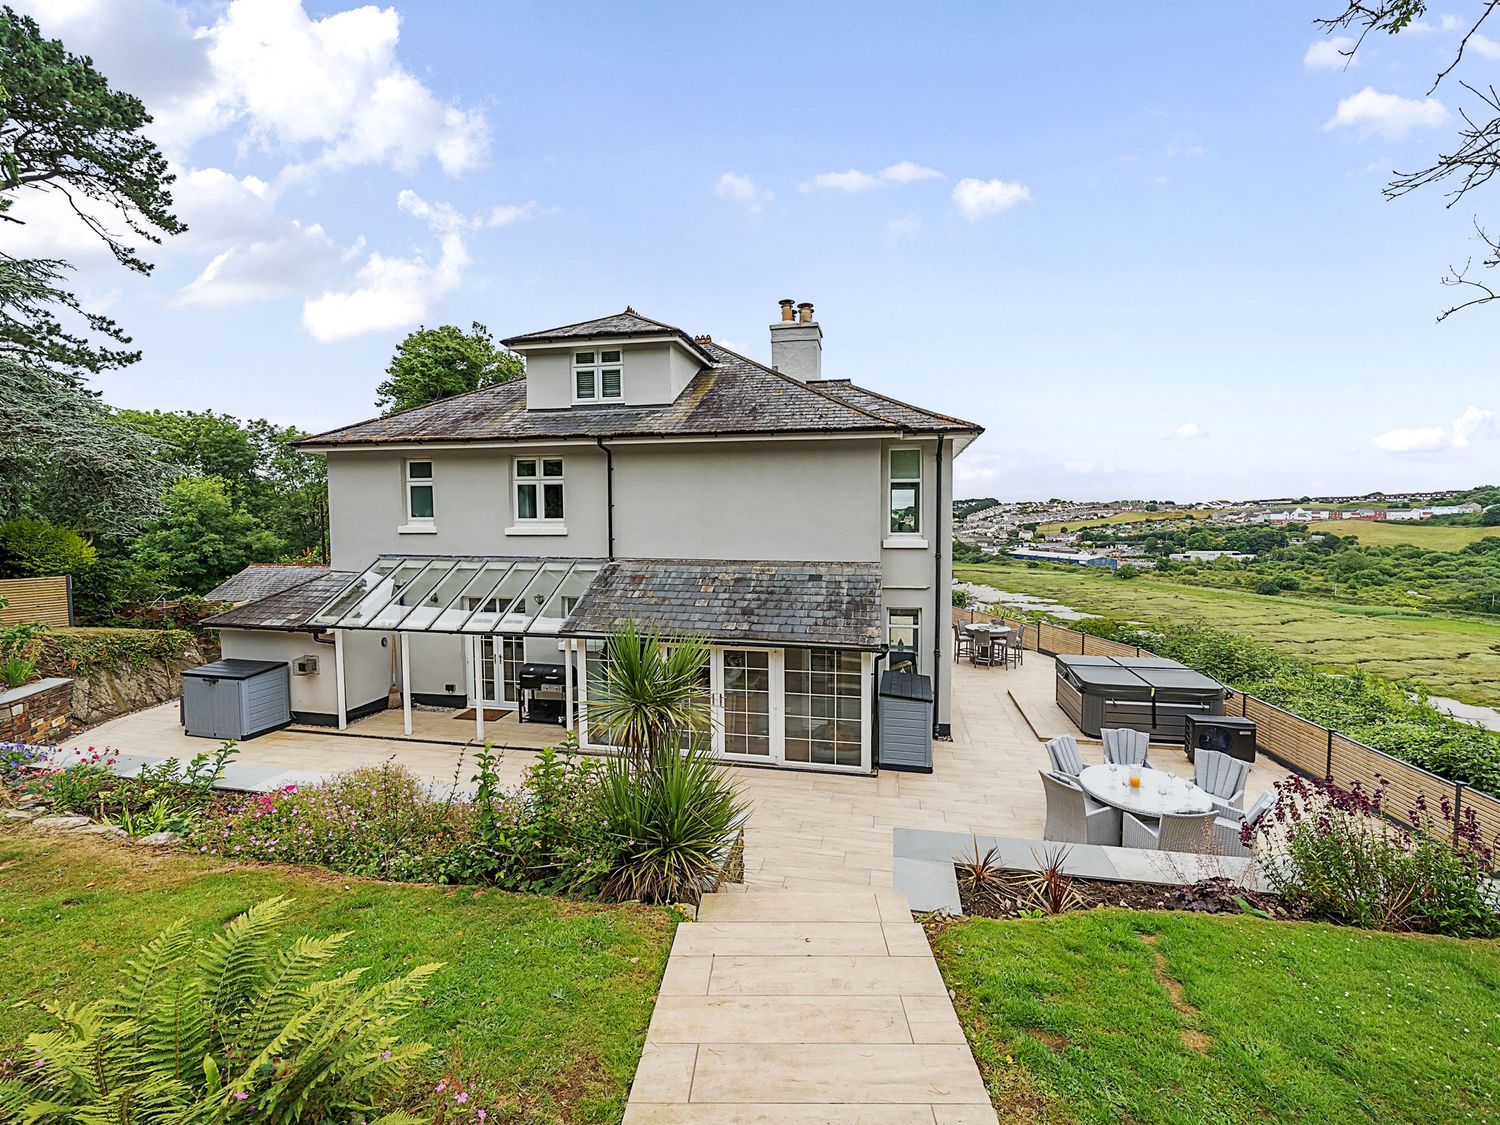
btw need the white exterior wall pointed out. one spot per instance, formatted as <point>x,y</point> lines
<point>366,660</point>
<point>651,374</point>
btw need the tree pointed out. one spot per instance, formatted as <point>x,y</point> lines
<point>65,458</point>
<point>434,363</point>
<point>652,692</point>
<point>1472,160</point>
<point>202,538</point>
<point>64,130</point>
<point>33,548</point>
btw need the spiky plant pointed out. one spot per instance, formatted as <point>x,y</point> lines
<point>652,692</point>
<point>241,1027</point>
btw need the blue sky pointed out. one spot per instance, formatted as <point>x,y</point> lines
<point>1146,249</point>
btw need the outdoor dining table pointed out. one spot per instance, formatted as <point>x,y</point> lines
<point>1159,792</point>
<point>986,635</point>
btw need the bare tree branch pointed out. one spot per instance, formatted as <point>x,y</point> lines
<point>1461,278</point>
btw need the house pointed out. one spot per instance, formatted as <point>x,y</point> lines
<point>637,472</point>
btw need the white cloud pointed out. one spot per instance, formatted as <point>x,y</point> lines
<point>1389,115</point>
<point>909,172</point>
<point>903,226</point>
<point>1188,430</point>
<point>1450,23</point>
<point>735,188</point>
<point>978,198</point>
<point>1472,423</point>
<point>852,180</point>
<point>1484,46</point>
<point>1330,54</point>
<point>286,266</point>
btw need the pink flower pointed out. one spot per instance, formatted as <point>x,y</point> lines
<point>461,1097</point>
<point>240,1096</point>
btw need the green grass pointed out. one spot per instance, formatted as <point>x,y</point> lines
<point>1380,533</point>
<point>1074,1018</point>
<point>545,1001</point>
<point>1451,656</point>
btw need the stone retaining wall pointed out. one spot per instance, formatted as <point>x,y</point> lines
<point>37,713</point>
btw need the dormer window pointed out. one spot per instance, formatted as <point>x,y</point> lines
<point>597,376</point>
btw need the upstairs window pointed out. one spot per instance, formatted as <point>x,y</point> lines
<point>539,488</point>
<point>906,492</point>
<point>596,376</point>
<point>419,491</point>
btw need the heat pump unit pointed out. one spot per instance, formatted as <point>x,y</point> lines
<point>305,666</point>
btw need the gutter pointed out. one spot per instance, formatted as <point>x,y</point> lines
<point>609,496</point>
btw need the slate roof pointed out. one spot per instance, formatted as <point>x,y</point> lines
<point>289,609</point>
<point>261,579</point>
<point>619,326</point>
<point>735,396</point>
<point>789,603</point>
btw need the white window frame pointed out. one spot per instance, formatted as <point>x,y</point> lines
<point>416,524</point>
<point>891,627</point>
<point>596,368</point>
<point>915,535</point>
<point>539,482</point>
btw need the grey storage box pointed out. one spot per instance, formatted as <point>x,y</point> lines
<point>236,698</point>
<point>905,722</point>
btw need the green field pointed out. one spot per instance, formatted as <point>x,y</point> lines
<point>1456,657</point>
<point>1434,537</point>
<point>1105,1016</point>
<point>541,1006</point>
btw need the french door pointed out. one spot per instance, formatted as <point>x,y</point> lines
<point>747,719</point>
<point>500,660</point>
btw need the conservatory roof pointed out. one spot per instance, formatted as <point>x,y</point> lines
<point>467,594</point>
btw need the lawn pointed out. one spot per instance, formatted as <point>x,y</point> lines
<point>545,1001</point>
<point>1449,656</point>
<point>1433,537</point>
<point>1109,1015</point>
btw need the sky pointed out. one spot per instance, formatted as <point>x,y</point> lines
<point>1145,248</point>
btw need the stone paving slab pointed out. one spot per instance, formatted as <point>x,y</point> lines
<point>805,1007</point>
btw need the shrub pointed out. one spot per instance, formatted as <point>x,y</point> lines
<point>239,1028</point>
<point>1330,852</point>
<point>379,821</point>
<point>33,548</point>
<point>669,817</point>
<point>17,670</point>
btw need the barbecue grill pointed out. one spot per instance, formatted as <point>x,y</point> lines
<point>542,693</point>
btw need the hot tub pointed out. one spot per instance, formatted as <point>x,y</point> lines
<point>1149,694</point>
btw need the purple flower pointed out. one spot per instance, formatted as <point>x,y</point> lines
<point>240,1096</point>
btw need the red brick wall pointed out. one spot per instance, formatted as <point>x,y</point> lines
<point>40,718</point>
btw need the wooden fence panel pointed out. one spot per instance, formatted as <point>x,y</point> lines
<point>1354,761</point>
<point>1297,742</point>
<point>46,601</point>
<point>1486,809</point>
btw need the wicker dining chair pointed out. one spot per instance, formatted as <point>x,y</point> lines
<point>1063,751</point>
<point>1073,817</point>
<point>1016,644</point>
<point>1222,777</point>
<point>1126,747</point>
<point>1173,832</point>
<point>1227,826</point>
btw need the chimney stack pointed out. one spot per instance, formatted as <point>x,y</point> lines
<point>797,342</point>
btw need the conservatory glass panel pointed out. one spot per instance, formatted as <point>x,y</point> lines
<point>414,593</point>
<point>355,592</point>
<point>488,611</point>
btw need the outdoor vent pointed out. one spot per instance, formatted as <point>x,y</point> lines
<point>305,666</point>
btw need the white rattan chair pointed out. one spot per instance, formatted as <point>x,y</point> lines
<point>1227,825</point>
<point>1063,751</point>
<point>1222,777</point>
<point>1174,832</point>
<point>1125,747</point>
<point>1073,817</point>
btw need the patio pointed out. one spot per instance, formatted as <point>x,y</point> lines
<point>807,830</point>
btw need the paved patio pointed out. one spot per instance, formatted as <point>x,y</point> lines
<point>807,830</point>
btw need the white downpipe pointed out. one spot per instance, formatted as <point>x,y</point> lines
<point>405,686</point>
<point>338,676</point>
<point>478,700</point>
<point>568,684</point>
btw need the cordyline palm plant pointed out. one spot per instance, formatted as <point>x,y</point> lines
<point>651,694</point>
<point>233,1029</point>
<point>666,804</point>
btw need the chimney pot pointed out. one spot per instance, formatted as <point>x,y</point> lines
<point>806,309</point>
<point>797,342</point>
<point>786,308</point>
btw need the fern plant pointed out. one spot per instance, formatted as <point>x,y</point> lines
<point>241,1027</point>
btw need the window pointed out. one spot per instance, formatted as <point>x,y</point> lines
<point>539,488</point>
<point>902,629</point>
<point>824,707</point>
<point>596,376</point>
<point>906,491</point>
<point>419,490</point>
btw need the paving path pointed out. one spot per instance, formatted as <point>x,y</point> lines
<point>785,1006</point>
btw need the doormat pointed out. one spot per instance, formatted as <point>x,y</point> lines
<point>490,714</point>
